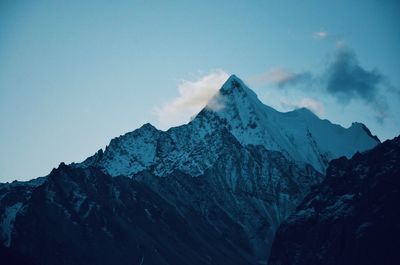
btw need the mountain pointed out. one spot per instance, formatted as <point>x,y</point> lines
<point>299,135</point>
<point>228,214</point>
<point>212,191</point>
<point>353,217</point>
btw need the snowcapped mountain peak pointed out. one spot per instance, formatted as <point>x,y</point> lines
<point>234,85</point>
<point>361,126</point>
<point>148,126</point>
<point>233,94</point>
<point>233,82</point>
<point>299,134</point>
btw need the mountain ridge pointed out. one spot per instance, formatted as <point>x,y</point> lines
<point>299,134</point>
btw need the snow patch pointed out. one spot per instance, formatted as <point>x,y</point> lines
<point>341,208</point>
<point>7,223</point>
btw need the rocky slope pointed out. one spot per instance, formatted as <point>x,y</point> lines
<point>228,214</point>
<point>256,189</point>
<point>83,216</point>
<point>353,217</point>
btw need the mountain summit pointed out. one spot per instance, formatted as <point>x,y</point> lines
<point>299,135</point>
<point>212,191</point>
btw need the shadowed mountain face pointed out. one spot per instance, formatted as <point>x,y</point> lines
<point>212,191</point>
<point>83,216</point>
<point>353,217</point>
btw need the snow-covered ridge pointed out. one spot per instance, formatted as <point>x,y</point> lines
<point>300,135</point>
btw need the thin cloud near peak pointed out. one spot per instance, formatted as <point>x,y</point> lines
<point>344,78</point>
<point>280,77</point>
<point>193,96</point>
<point>312,104</point>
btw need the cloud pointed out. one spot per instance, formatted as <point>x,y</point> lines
<point>193,96</point>
<point>319,35</point>
<point>344,78</point>
<point>281,78</point>
<point>314,105</point>
<point>347,79</point>
<point>340,43</point>
<point>381,109</point>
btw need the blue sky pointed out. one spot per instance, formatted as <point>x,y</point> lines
<point>74,74</point>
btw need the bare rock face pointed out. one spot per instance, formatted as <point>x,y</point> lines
<point>353,217</point>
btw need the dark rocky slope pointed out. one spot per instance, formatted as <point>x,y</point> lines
<point>353,217</point>
<point>83,216</point>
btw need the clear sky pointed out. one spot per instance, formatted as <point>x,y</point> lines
<point>74,74</point>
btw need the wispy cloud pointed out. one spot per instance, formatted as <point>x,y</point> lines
<point>347,80</point>
<point>280,77</point>
<point>340,43</point>
<point>344,78</point>
<point>193,96</point>
<point>312,104</point>
<point>319,35</point>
